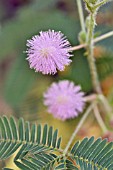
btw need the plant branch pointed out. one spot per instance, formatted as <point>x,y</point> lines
<point>104,36</point>
<point>79,126</point>
<point>100,38</point>
<point>81,15</point>
<point>90,98</point>
<point>106,105</point>
<point>100,4</point>
<point>99,119</point>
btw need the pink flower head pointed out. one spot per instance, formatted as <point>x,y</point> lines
<point>48,52</point>
<point>64,100</point>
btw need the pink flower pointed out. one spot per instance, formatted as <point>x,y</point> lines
<point>48,52</point>
<point>64,100</point>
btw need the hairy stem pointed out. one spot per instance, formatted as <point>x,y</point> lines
<point>100,38</point>
<point>81,15</point>
<point>101,3</point>
<point>91,60</point>
<point>106,105</point>
<point>99,119</point>
<point>104,36</point>
<point>79,126</point>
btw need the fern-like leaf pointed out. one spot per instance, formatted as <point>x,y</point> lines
<point>39,148</point>
<point>36,143</point>
<point>66,164</point>
<point>93,155</point>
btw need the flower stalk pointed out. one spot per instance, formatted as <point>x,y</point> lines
<point>99,119</point>
<point>91,106</point>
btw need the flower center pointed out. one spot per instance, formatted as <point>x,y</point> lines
<point>62,99</point>
<point>47,51</point>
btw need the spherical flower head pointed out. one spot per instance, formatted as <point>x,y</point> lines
<point>64,100</point>
<point>48,52</point>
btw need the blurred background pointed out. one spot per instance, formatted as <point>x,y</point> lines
<point>21,89</point>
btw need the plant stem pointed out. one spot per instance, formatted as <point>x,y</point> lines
<point>79,126</point>
<point>91,60</point>
<point>101,3</point>
<point>81,15</point>
<point>90,98</point>
<point>106,105</point>
<point>102,37</point>
<point>99,119</point>
<point>77,47</point>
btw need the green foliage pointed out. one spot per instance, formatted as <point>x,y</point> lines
<point>19,81</point>
<point>105,66</point>
<point>35,143</point>
<point>93,155</point>
<point>39,148</point>
<point>79,72</point>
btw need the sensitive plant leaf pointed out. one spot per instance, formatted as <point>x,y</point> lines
<point>66,164</point>
<point>90,154</point>
<point>35,152</point>
<point>32,147</point>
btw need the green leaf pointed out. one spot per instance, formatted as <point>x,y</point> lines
<point>50,134</point>
<point>66,164</point>
<point>8,128</point>
<point>44,138</point>
<point>35,151</point>
<point>27,131</point>
<point>21,129</point>
<point>18,82</point>
<point>93,155</point>
<point>3,129</point>
<point>38,134</point>
<point>54,138</point>
<point>14,128</point>
<point>33,133</point>
<point>22,166</point>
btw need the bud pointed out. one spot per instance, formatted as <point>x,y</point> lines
<point>82,37</point>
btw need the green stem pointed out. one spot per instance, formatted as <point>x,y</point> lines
<point>99,119</point>
<point>100,4</point>
<point>79,126</point>
<point>97,39</point>
<point>81,15</point>
<point>106,105</point>
<point>91,60</point>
